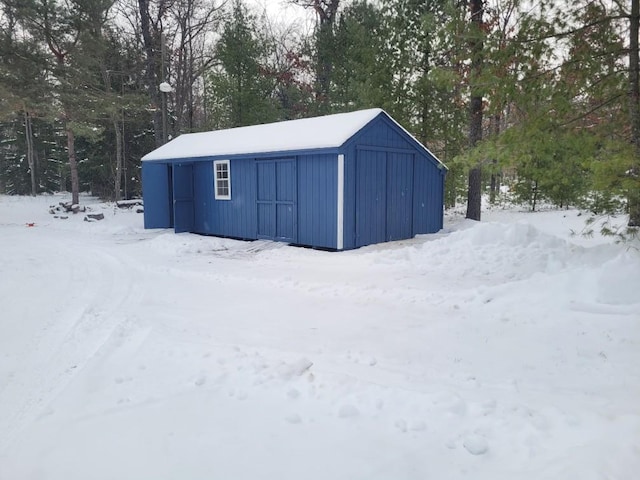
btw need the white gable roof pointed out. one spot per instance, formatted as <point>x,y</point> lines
<point>330,131</point>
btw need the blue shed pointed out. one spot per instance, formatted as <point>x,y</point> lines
<point>338,182</point>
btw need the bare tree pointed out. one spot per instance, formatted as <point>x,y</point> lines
<point>151,27</point>
<point>191,21</point>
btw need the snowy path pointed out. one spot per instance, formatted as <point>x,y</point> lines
<point>492,351</point>
<point>70,302</point>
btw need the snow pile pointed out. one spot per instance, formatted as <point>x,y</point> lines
<point>619,280</point>
<point>504,349</point>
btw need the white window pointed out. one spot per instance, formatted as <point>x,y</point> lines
<point>222,180</point>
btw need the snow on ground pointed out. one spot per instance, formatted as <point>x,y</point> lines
<point>495,350</point>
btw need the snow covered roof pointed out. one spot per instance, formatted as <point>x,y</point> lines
<point>330,131</point>
<point>307,133</point>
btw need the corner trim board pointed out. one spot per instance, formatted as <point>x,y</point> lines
<point>340,216</point>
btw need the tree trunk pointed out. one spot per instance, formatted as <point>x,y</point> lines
<point>495,183</point>
<point>324,66</point>
<point>31,157</point>
<point>118,176</point>
<point>634,111</point>
<point>73,164</point>
<point>474,192</point>
<point>151,76</point>
<point>327,11</point>
<point>118,133</point>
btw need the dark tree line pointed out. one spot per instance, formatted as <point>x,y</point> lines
<point>543,99</point>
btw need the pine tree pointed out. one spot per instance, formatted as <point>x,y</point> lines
<point>240,92</point>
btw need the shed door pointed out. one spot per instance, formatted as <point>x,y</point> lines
<point>276,199</point>
<point>371,197</point>
<point>384,196</point>
<point>399,196</point>
<point>183,197</point>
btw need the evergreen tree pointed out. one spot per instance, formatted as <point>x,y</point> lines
<point>325,48</point>
<point>362,73</point>
<point>240,92</point>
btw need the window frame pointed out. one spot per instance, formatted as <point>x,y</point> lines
<point>218,182</point>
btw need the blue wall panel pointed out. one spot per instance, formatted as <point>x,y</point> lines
<point>383,133</point>
<point>236,217</point>
<point>156,193</point>
<point>428,199</point>
<point>317,200</point>
<point>414,202</point>
<point>202,196</point>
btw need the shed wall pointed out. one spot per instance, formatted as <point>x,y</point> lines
<point>428,197</point>
<point>230,218</point>
<point>317,200</point>
<point>377,209</point>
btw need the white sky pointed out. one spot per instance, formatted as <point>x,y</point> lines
<point>281,10</point>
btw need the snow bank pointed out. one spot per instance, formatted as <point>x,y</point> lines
<point>618,280</point>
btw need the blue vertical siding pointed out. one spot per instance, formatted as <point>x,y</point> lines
<point>428,202</point>
<point>414,192</point>
<point>235,217</point>
<point>317,200</point>
<point>382,132</point>
<point>202,196</point>
<point>157,196</point>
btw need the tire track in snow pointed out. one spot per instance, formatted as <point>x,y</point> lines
<point>100,285</point>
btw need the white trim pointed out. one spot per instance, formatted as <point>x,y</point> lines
<point>215,179</point>
<point>340,242</point>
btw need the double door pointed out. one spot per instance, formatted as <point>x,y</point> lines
<point>276,199</point>
<point>384,196</point>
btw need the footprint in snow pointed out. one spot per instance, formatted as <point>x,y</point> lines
<point>293,393</point>
<point>348,411</point>
<point>293,419</point>
<point>476,445</point>
<point>401,425</point>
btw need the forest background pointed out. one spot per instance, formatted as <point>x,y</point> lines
<point>540,96</point>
